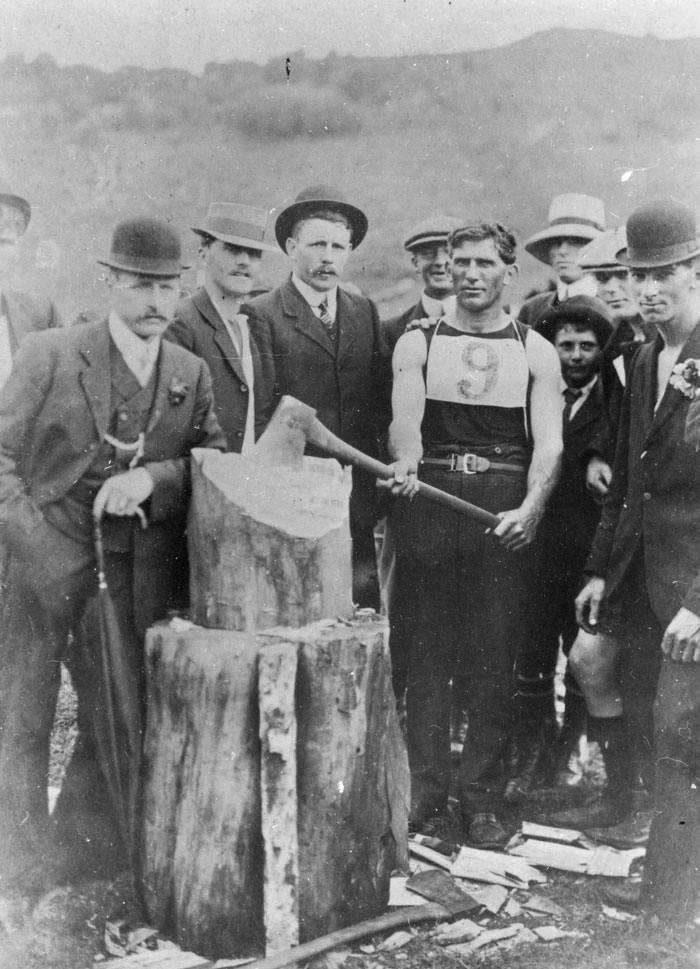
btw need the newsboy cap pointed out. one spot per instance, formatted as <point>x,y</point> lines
<point>240,225</point>
<point>320,197</point>
<point>581,311</point>
<point>660,233</point>
<point>429,231</point>
<point>147,246</point>
<point>601,253</point>
<point>8,197</point>
<point>571,216</point>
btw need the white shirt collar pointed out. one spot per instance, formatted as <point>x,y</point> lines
<point>438,307</point>
<point>585,286</point>
<point>227,309</point>
<point>314,298</point>
<point>139,355</point>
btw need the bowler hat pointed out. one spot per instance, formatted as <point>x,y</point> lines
<point>660,233</point>
<point>432,230</point>
<point>241,225</point>
<point>570,217</point>
<point>601,253</point>
<point>320,197</point>
<point>579,310</point>
<point>8,197</point>
<point>146,246</point>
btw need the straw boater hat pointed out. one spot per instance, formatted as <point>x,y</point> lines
<point>579,310</point>
<point>241,225</point>
<point>570,217</point>
<point>320,197</point>
<point>430,231</point>
<point>601,253</point>
<point>659,234</point>
<point>8,197</point>
<point>146,246</point>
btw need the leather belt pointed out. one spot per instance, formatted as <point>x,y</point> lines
<point>471,464</point>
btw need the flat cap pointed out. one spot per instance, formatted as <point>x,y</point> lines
<point>435,229</point>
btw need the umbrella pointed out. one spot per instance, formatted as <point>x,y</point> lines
<point>117,710</point>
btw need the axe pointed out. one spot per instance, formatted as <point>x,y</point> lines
<point>294,424</point>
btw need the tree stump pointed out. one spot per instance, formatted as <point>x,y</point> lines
<point>267,546</point>
<point>232,855</point>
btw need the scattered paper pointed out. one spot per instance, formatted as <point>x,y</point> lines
<point>615,913</point>
<point>494,867</point>
<point>602,860</point>
<point>536,903</point>
<point>513,909</point>
<point>547,832</point>
<point>492,898</point>
<point>486,938</point>
<point>550,933</point>
<point>397,940</point>
<point>453,933</point>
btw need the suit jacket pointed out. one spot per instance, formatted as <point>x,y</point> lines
<point>654,500</point>
<point>533,309</point>
<point>26,314</point>
<point>394,328</point>
<point>348,386</point>
<point>198,327</point>
<point>54,411</point>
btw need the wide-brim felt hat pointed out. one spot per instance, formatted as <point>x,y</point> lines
<point>571,216</point>
<point>146,246</point>
<point>580,310</point>
<point>319,197</point>
<point>8,197</point>
<point>660,233</point>
<point>601,253</point>
<point>239,225</point>
<point>429,231</point>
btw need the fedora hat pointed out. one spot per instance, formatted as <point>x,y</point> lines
<point>570,217</point>
<point>8,197</point>
<point>660,233</point>
<point>241,225</point>
<point>429,231</point>
<point>146,246</point>
<point>312,199</point>
<point>601,253</point>
<point>580,310</point>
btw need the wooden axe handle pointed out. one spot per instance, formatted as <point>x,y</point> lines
<point>320,436</point>
<point>411,915</point>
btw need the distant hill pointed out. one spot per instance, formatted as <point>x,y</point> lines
<point>491,133</point>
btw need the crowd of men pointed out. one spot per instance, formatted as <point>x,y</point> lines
<point>575,423</point>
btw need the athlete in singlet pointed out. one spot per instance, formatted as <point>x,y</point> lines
<point>476,412</point>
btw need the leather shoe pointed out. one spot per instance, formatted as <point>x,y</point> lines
<point>632,832</point>
<point>598,814</point>
<point>486,831</point>
<point>623,894</point>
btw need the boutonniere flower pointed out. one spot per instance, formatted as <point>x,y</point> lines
<point>177,391</point>
<point>685,377</point>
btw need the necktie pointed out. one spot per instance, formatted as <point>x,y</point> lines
<point>570,396</point>
<point>326,318</point>
<point>234,328</point>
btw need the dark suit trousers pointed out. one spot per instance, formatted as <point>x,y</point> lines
<point>461,604</point>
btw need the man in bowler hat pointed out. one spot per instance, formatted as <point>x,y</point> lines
<point>95,421</point>
<point>324,346</point>
<point>210,323</point>
<point>644,567</point>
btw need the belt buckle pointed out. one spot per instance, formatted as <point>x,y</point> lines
<point>469,463</point>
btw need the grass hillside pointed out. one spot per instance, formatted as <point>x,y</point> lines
<point>487,133</point>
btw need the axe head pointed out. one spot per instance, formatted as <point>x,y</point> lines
<point>283,442</point>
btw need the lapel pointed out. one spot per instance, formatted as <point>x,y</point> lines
<point>305,322</point>
<point>166,371</point>
<point>222,338</point>
<point>94,372</point>
<point>588,411</point>
<point>348,324</point>
<point>672,398</point>
<point>19,320</point>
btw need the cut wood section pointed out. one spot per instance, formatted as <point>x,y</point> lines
<point>204,852</point>
<point>267,546</point>
<point>278,736</point>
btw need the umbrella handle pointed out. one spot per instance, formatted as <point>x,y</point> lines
<point>99,551</point>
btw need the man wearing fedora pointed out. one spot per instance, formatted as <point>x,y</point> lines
<point>578,328</point>
<point>323,345</point>
<point>20,313</point>
<point>644,567</point>
<point>210,324</point>
<point>573,221</point>
<point>427,244</point>
<point>95,422</point>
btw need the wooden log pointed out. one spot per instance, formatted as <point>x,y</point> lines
<point>203,854</point>
<point>267,547</point>
<point>277,673</point>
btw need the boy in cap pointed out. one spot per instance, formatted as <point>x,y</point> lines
<point>210,323</point>
<point>573,221</point>
<point>96,422</point>
<point>644,567</point>
<point>323,345</point>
